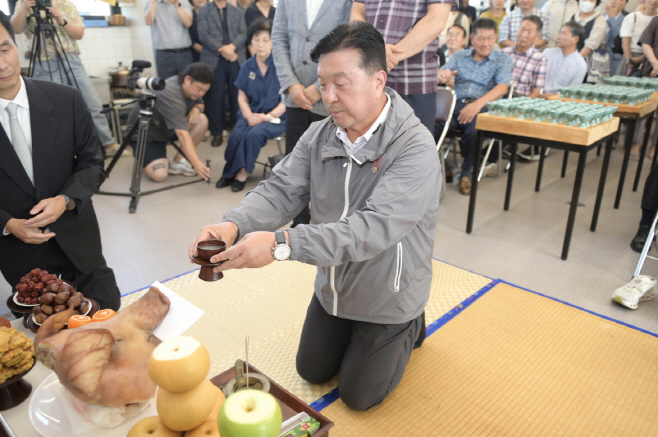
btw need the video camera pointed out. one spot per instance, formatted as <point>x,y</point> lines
<point>43,5</point>
<point>136,81</point>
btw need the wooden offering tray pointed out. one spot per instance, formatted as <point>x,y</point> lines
<point>290,404</point>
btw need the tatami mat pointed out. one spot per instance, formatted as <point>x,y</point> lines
<point>515,363</point>
<point>269,305</point>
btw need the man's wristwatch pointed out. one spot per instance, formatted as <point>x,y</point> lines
<point>65,23</point>
<point>70,203</point>
<point>281,251</point>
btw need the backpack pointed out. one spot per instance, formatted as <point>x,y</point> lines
<point>616,44</point>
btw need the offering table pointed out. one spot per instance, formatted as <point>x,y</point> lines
<point>543,134</point>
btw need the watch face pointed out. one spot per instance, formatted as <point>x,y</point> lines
<point>282,252</point>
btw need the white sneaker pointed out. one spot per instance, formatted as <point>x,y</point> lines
<point>182,167</point>
<point>490,170</point>
<point>640,289</point>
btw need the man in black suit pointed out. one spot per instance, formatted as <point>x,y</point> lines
<point>50,165</point>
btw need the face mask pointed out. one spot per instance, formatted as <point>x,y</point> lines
<point>586,7</point>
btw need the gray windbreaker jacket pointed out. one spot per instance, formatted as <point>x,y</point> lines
<point>373,215</point>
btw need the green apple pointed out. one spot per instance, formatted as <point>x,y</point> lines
<point>250,413</point>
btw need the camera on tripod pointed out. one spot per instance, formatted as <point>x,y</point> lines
<point>137,81</point>
<point>43,4</point>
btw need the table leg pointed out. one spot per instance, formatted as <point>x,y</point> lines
<point>598,149</point>
<point>564,163</point>
<point>604,174</point>
<point>540,169</point>
<point>474,182</point>
<point>574,203</point>
<point>643,151</point>
<point>510,175</point>
<point>628,143</point>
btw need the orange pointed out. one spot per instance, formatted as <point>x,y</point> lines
<point>78,320</point>
<point>103,315</point>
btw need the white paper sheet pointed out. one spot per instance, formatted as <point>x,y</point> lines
<point>182,314</point>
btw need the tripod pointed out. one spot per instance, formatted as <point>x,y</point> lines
<point>43,31</point>
<point>146,103</point>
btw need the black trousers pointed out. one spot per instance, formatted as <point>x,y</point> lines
<point>369,357</point>
<point>297,121</point>
<point>226,73</point>
<point>100,284</point>
<point>424,106</point>
<point>650,193</point>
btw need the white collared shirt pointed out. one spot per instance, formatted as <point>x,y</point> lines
<point>23,114</point>
<point>312,9</point>
<point>352,148</point>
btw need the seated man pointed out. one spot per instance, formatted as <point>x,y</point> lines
<point>529,67</point>
<point>178,113</point>
<point>373,177</point>
<point>565,66</point>
<point>481,75</point>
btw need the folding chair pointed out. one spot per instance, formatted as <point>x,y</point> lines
<point>491,144</point>
<point>273,160</point>
<point>646,248</point>
<point>445,105</point>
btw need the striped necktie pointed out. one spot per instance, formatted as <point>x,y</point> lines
<point>19,142</point>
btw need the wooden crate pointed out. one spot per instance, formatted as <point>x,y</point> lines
<point>634,111</point>
<point>290,404</point>
<point>546,131</point>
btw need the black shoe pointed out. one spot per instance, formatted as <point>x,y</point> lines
<point>217,140</point>
<point>640,238</point>
<point>224,182</point>
<point>422,334</point>
<point>238,186</point>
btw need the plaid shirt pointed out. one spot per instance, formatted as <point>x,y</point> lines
<point>394,19</point>
<point>528,69</point>
<point>509,27</point>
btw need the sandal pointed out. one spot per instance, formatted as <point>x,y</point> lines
<point>465,185</point>
<point>635,152</point>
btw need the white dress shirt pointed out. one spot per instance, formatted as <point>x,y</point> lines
<point>312,9</point>
<point>353,147</point>
<point>23,114</point>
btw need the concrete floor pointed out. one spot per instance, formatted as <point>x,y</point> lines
<point>521,246</point>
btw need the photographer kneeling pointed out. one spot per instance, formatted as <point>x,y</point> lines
<point>178,113</point>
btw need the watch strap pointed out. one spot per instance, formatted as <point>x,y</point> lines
<point>280,237</point>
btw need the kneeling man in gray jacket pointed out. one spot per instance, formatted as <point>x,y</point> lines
<point>373,177</point>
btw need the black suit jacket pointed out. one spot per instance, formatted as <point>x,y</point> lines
<point>67,159</point>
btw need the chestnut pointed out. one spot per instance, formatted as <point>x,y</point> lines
<point>48,309</point>
<point>60,308</point>
<point>52,288</point>
<point>40,318</point>
<point>47,298</point>
<point>62,297</point>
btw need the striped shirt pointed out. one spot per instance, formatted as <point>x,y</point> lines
<point>509,27</point>
<point>528,69</point>
<point>394,19</point>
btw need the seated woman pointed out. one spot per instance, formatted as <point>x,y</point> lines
<point>261,114</point>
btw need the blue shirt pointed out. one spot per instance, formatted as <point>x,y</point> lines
<point>563,71</point>
<point>262,92</point>
<point>475,79</point>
